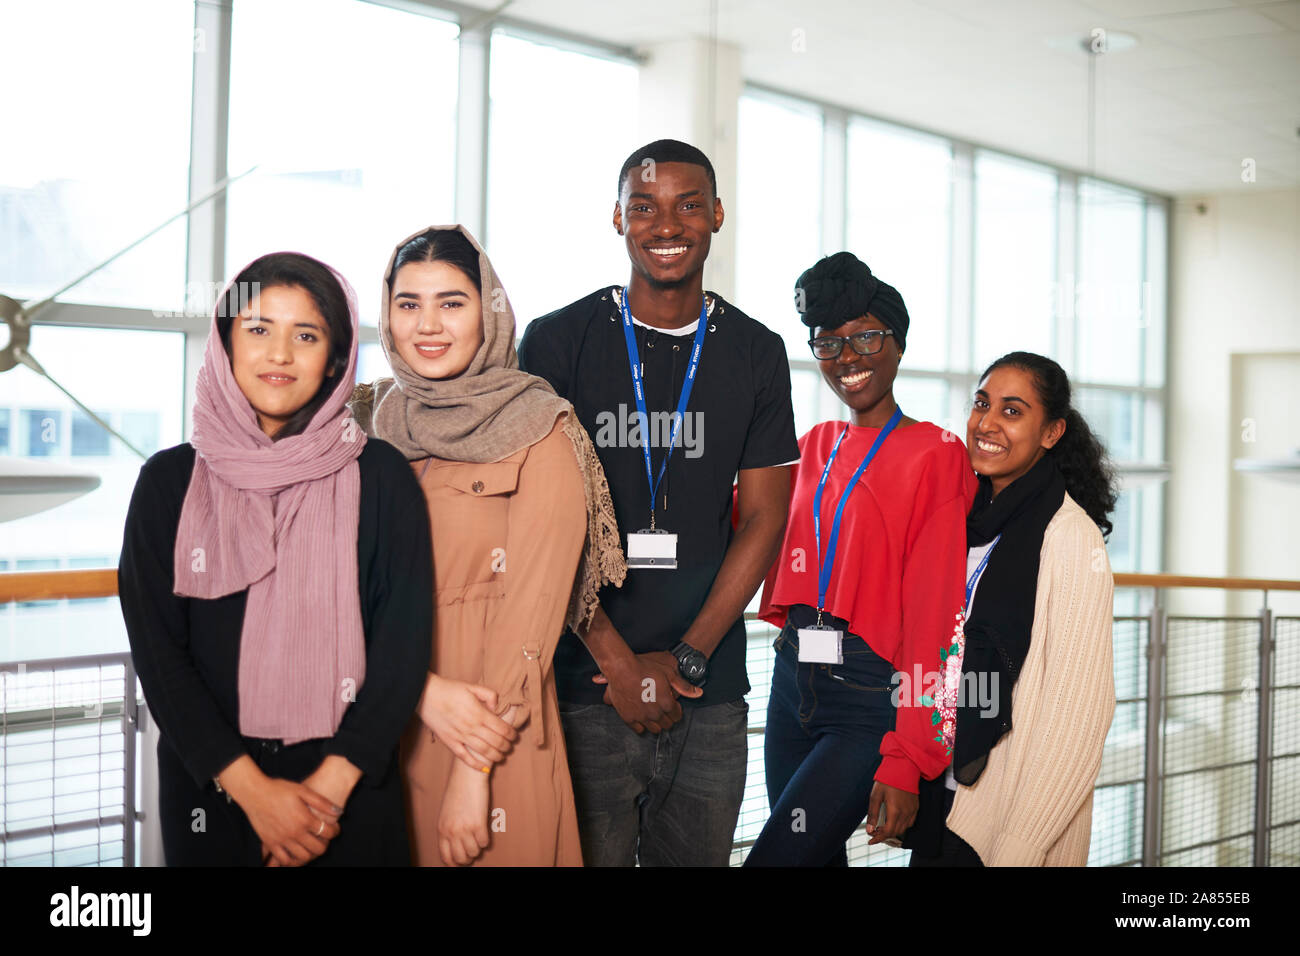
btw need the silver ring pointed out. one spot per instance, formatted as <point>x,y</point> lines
<point>321,828</point>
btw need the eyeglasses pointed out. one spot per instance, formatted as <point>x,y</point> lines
<point>864,343</point>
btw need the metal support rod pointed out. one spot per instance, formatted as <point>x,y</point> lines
<point>1154,789</point>
<point>130,726</point>
<point>1264,747</point>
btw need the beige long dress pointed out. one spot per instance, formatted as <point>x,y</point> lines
<point>507,537</point>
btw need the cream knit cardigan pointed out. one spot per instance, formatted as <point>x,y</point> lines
<point>1032,805</point>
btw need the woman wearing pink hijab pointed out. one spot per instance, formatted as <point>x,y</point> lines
<point>274,582</point>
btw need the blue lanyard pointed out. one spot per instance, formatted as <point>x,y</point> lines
<point>634,359</point>
<point>824,567</point>
<point>970,585</point>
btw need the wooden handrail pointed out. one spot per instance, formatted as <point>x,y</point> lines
<point>54,585</point>
<point>1127,580</point>
<point>102,582</point>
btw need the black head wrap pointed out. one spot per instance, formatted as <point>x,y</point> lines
<point>840,288</point>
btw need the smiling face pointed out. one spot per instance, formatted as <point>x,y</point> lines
<point>279,350</point>
<point>865,383</point>
<point>1008,430</point>
<point>669,223</point>
<point>435,316</point>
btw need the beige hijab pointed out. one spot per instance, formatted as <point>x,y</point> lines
<point>488,413</point>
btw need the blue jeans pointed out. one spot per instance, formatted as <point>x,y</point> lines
<point>668,799</point>
<point>821,750</point>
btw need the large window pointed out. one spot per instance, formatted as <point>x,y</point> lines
<point>1015,258</point>
<point>96,119</point>
<point>1113,295</point>
<point>979,245</point>
<point>349,111</point>
<point>552,171</point>
<point>349,160</point>
<point>133,380</point>
<point>777,213</point>
<point>899,209</point>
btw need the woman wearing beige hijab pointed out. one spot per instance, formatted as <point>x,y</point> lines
<point>514,492</point>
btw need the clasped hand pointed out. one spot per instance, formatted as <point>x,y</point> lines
<point>644,688</point>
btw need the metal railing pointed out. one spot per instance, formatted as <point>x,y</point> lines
<point>68,761</point>
<point>1201,766</point>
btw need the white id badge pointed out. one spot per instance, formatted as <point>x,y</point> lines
<point>821,645</point>
<point>652,549</point>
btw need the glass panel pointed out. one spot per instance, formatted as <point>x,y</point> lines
<point>549,205</point>
<point>141,430</point>
<point>44,430</point>
<point>86,531</point>
<point>97,117</point>
<point>899,223</point>
<point>926,400</point>
<point>1116,418</point>
<point>1015,258</point>
<point>88,438</point>
<point>350,161</point>
<point>1111,290</point>
<point>778,176</point>
<point>371,363</point>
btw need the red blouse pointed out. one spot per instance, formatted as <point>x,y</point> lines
<point>900,565</point>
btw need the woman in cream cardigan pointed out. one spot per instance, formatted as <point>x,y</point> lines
<point>1027,691</point>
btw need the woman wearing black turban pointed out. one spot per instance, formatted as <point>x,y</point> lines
<point>866,590</point>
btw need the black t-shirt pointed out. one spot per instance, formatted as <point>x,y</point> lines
<point>739,417</point>
<point>186,650</point>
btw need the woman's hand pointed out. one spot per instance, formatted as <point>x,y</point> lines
<point>463,821</point>
<point>900,813</point>
<point>294,822</point>
<point>334,780</point>
<point>463,717</point>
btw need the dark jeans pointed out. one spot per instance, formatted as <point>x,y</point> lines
<point>953,850</point>
<point>821,750</point>
<point>668,799</point>
<point>201,828</point>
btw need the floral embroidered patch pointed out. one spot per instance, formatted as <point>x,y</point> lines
<point>948,687</point>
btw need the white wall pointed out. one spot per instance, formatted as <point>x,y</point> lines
<point>1234,355</point>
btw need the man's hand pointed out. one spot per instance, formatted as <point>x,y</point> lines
<point>900,813</point>
<point>644,690</point>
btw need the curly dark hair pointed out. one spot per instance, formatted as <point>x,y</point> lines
<point>1080,455</point>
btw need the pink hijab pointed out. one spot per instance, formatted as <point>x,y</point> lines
<point>280,519</point>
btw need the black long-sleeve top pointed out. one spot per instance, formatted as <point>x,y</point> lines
<point>186,650</point>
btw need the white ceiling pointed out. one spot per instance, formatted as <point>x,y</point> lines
<point>1209,83</point>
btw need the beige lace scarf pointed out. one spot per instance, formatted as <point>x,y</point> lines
<point>602,558</point>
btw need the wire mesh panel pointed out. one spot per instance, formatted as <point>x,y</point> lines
<point>1210,741</point>
<point>64,762</point>
<point>754,810</point>
<point>1284,789</point>
<point>759,656</point>
<point>1119,800</point>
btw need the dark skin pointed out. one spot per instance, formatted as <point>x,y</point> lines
<point>678,213</point>
<point>871,403</point>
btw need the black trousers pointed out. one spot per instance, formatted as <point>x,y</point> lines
<point>200,827</point>
<point>953,850</point>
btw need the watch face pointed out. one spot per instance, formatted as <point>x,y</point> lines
<point>693,664</point>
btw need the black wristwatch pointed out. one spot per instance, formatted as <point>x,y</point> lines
<point>692,664</point>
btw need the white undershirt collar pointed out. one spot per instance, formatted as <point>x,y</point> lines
<point>684,330</point>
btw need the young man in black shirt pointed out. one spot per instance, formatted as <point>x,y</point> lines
<point>652,695</point>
